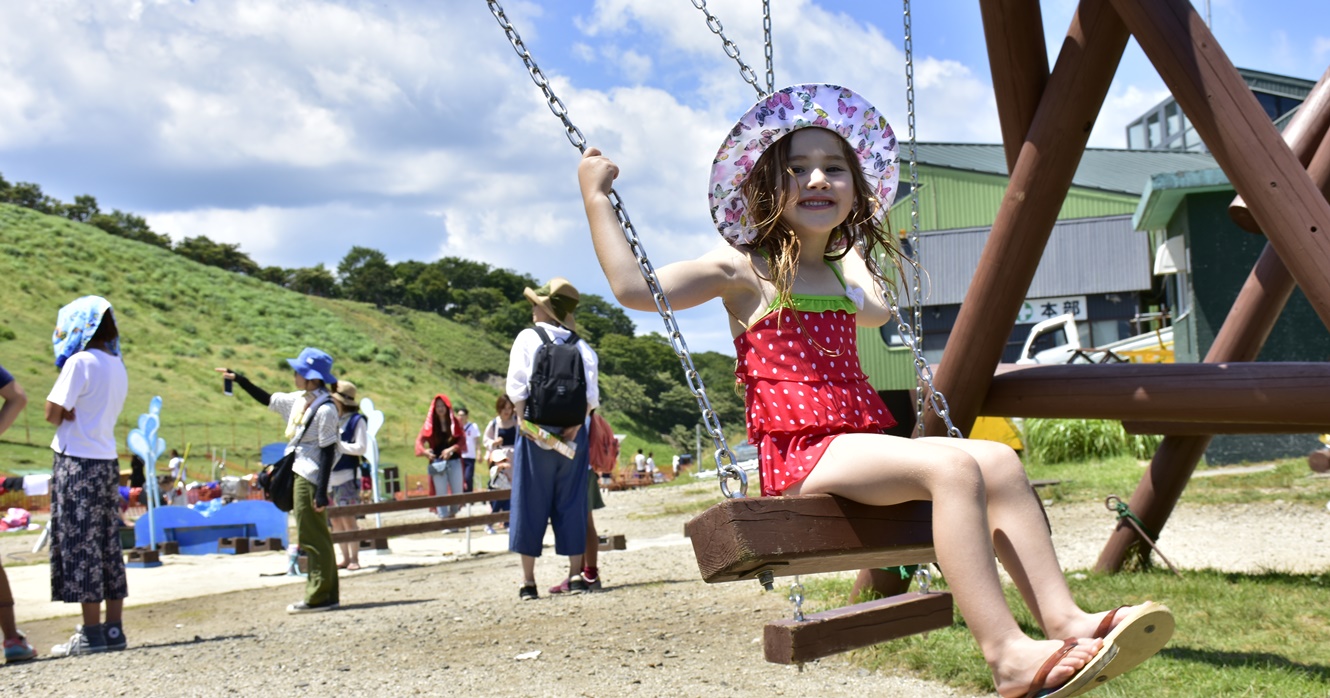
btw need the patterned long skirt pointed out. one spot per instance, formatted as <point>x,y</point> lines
<point>87,563</point>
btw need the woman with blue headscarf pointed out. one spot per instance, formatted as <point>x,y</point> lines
<point>87,563</point>
<point>311,432</point>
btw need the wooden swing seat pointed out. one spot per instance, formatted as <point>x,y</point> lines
<point>744,538</point>
<point>741,538</point>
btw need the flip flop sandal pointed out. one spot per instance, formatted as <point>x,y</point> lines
<point>1080,682</point>
<point>352,567</point>
<point>1139,636</point>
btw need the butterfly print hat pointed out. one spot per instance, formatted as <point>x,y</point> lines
<point>775,116</point>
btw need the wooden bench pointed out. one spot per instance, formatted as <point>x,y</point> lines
<point>627,480</point>
<point>412,503</point>
<point>767,537</point>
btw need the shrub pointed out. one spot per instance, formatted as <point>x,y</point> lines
<point>1064,440</point>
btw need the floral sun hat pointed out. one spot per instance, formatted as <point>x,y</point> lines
<point>832,107</point>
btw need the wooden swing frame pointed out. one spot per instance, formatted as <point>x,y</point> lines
<point>1046,119</point>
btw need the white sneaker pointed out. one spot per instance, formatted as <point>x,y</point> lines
<point>302,607</point>
<point>489,529</point>
<point>83,641</point>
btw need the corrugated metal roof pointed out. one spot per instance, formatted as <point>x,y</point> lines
<point>1105,169</point>
<point>1088,255</point>
<point>1284,85</point>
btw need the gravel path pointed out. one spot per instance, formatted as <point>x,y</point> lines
<point>457,628</point>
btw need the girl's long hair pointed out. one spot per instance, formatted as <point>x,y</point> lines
<point>765,190</point>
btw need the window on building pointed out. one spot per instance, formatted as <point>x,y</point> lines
<point>1270,103</point>
<point>1153,131</point>
<point>1136,136</point>
<point>1172,120</point>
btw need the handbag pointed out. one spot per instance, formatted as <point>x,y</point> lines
<point>279,480</point>
<point>440,467</point>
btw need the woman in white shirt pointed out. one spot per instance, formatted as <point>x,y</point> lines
<point>87,565</point>
<point>344,483</point>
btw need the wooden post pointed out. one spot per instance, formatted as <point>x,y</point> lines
<point>1280,195</point>
<point>1307,128</point>
<point>1039,183</point>
<point>1018,59</point>
<point>1241,337</point>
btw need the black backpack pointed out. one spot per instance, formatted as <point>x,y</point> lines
<point>558,384</point>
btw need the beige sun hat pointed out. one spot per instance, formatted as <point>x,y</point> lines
<point>559,298</point>
<point>345,393</point>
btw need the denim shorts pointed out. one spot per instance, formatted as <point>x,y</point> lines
<point>345,494</point>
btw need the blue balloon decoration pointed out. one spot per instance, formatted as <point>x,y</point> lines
<point>144,443</point>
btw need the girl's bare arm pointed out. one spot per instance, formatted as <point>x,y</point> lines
<point>875,312</point>
<point>687,284</point>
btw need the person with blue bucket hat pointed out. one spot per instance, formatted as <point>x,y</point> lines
<point>311,432</point>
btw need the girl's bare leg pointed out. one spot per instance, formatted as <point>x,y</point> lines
<point>884,470</point>
<point>350,551</point>
<point>1021,539</point>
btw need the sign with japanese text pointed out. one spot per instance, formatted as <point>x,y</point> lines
<point>1040,309</point>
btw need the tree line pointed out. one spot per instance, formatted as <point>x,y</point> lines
<point>640,375</point>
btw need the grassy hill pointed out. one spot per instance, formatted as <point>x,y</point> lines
<point>179,320</point>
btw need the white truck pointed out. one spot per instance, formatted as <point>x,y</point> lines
<point>1058,341</point>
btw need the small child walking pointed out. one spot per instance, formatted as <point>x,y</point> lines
<point>799,189</point>
<point>87,563</point>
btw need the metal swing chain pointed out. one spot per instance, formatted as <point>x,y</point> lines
<point>936,400</point>
<point>917,298</point>
<point>724,470</point>
<point>732,50</point>
<point>766,32</point>
<point>797,598</point>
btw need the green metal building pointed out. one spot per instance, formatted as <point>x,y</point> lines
<point>961,186</point>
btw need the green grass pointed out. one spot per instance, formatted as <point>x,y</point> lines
<point>1097,478</point>
<point>179,320</point>
<point>1238,634</point>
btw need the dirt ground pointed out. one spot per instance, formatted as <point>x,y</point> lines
<point>430,619</point>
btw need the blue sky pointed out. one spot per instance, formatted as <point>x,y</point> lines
<point>298,128</point>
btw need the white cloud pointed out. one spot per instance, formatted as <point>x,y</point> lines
<point>1321,47</point>
<point>298,128</point>
<point>256,230</point>
<point>1123,105</point>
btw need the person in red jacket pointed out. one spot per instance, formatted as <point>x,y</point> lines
<point>440,440</point>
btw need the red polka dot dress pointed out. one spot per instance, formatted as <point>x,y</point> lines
<point>804,386</point>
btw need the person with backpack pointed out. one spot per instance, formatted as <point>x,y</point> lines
<point>344,481</point>
<point>552,382</point>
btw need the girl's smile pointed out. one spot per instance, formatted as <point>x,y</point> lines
<point>821,187</point>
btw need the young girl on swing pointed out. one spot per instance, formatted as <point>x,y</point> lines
<point>800,189</point>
